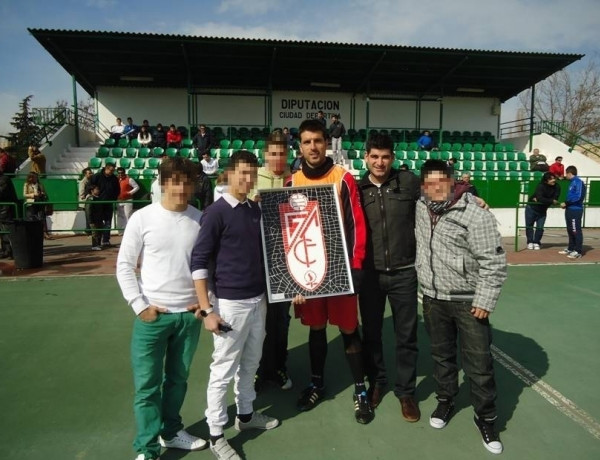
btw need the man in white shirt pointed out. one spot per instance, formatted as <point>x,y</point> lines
<point>165,332</point>
<point>209,165</point>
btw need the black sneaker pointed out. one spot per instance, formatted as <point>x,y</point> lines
<point>363,412</point>
<point>442,413</point>
<point>282,379</point>
<point>310,397</point>
<point>489,436</point>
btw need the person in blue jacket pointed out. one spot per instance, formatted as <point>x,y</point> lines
<point>425,142</point>
<point>573,207</point>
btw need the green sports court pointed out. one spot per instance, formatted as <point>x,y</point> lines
<point>66,387</point>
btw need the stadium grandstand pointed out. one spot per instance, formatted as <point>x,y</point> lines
<point>242,89</point>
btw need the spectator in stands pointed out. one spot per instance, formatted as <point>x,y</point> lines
<point>557,168</point>
<point>158,136</point>
<point>336,131</point>
<point>131,130</point>
<point>94,215</point>
<point>8,164</point>
<point>458,302</point>
<point>273,366</point>
<point>116,131</point>
<point>537,161</point>
<point>289,137</point>
<point>128,188</point>
<point>321,119</point>
<point>425,142</point>
<point>146,124</point>
<point>84,190</point>
<point>230,239</point>
<point>109,191</point>
<point>573,207</point>
<point>210,165</point>
<point>452,163</point>
<point>144,137</point>
<point>388,198</point>
<point>220,186</point>
<point>465,180</point>
<point>339,310</point>
<point>297,163</point>
<point>165,334</point>
<point>203,191</point>
<point>174,137</point>
<point>545,195</point>
<point>38,160</point>
<point>8,195</point>
<point>35,193</point>
<point>203,141</point>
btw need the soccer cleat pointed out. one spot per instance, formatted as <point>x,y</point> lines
<point>442,413</point>
<point>565,252</point>
<point>363,412</point>
<point>183,440</point>
<point>223,451</point>
<point>258,421</point>
<point>536,247</point>
<point>310,397</point>
<point>489,436</point>
<point>574,255</point>
<point>529,245</point>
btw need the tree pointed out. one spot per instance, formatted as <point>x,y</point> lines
<point>569,97</point>
<point>27,133</point>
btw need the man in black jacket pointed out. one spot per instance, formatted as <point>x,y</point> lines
<point>388,198</point>
<point>109,191</point>
<point>7,213</point>
<point>202,140</point>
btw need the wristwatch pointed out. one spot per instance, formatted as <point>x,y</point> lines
<point>205,312</point>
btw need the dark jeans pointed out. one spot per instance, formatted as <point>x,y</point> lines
<point>532,216</point>
<point>445,321</point>
<point>107,216</point>
<point>274,355</point>
<point>400,287</point>
<point>573,218</point>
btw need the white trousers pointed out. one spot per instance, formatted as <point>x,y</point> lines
<point>336,146</point>
<point>124,211</point>
<point>236,356</point>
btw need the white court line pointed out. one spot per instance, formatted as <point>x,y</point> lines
<point>553,396</point>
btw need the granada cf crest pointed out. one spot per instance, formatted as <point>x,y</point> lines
<point>303,241</point>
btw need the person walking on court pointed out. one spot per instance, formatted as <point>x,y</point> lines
<point>165,331</point>
<point>573,207</point>
<point>458,299</point>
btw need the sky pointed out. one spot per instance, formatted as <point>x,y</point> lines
<point>556,26</point>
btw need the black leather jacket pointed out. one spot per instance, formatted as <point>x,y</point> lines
<point>390,214</point>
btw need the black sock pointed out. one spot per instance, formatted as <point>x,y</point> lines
<point>214,439</point>
<point>317,347</point>
<point>353,349</point>
<point>245,418</point>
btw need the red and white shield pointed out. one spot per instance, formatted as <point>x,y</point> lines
<point>303,241</point>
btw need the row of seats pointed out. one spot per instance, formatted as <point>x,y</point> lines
<point>445,155</point>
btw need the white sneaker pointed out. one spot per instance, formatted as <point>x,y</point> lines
<point>185,441</point>
<point>223,451</point>
<point>536,246</point>
<point>565,252</point>
<point>529,245</point>
<point>258,421</point>
<point>574,255</point>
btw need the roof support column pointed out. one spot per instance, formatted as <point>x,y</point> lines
<point>531,118</point>
<point>441,128</point>
<point>75,111</point>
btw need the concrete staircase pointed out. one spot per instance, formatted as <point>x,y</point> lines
<point>73,159</point>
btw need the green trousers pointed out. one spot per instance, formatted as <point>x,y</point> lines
<point>161,353</point>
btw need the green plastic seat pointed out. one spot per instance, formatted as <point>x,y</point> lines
<point>490,175</point>
<point>223,153</point>
<point>153,163</point>
<point>500,156</point>
<point>500,165</point>
<point>149,173</point>
<point>224,143</point>
<point>525,175</point>
<point>445,155</point>
<point>477,147</point>
<point>467,165</point>
<point>358,145</point>
<point>134,143</point>
<point>123,142</point>
<point>236,144</point>
<point>499,147</point>
<point>513,175</point>
<point>401,146</point>
<point>103,152</point>
<point>488,148</point>
<point>110,161</point>
<point>171,152</point>
<point>259,144</point>
<point>478,165</point>
<point>435,155</point>
<point>423,155</point>
<point>513,166</point>
<point>413,146</point>
<point>467,156</point>
<point>185,152</point>
<point>400,155</point>
<point>143,152</point>
<point>358,164</point>
<point>467,147</point>
<point>490,156</point>
<point>248,145</point>
<point>130,152</point>
<point>139,163</point>
<point>490,165</point>
<point>214,153</point>
<point>510,156</point>
<point>95,162</point>
<point>502,175</point>
<point>157,152</point>
<point>124,162</point>
<point>521,156</point>
<point>110,142</point>
<point>524,165</point>
<point>133,173</point>
<point>116,152</point>
<point>187,143</point>
<point>477,175</point>
<point>352,154</point>
<point>478,156</point>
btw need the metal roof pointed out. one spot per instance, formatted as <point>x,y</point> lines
<point>99,58</point>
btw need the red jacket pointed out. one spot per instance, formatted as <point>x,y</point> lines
<point>558,169</point>
<point>173,137</point>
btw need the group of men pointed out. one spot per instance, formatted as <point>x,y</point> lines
<point>398,230</point>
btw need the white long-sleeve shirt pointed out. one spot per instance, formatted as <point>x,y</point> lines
<point>164,241</point>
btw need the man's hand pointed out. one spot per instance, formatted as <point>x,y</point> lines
<point>479,313</point>
<point>150,314</point>
<point>298,300</point>
<point>212,321</point>
<point>481,203</point>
